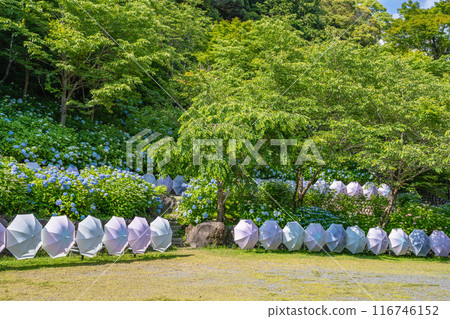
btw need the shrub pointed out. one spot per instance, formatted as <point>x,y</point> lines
<point>101,192</point>
<point>311,214</point>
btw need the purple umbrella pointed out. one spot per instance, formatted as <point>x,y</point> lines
<point>270,235</point>
<point>440,243</point>
<point>58,236</point>
<point>246,234</point>
<point>179,185</point>
<point>168,182</point>
<point>354,189</point>
<point>2,237</point>
<point>398,241</point>
<point>384,190</point>
<point>116,236</point>
<point>336,238</point>
<point>377,241</point>
<point>370,189</point>
<point>338,187</point>
<point>139,235</point>
<point>315,237</point>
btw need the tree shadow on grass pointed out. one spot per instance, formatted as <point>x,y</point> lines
<point>76,261</point>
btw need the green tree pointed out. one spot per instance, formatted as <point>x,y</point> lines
<point>427,30</point>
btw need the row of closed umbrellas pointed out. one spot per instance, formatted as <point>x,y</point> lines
<point>336,238</point>
<point>25,236</point>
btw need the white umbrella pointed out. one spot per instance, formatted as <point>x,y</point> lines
<point>293,236</point>
<point>179,185</point>
<point>354,189</point>
<point>335,238</point>
<point>149,178</point>
<point>370,189</point>
<point>315,237</point>
<point>2,237</point>
<point>440,243</point>
<point>161,234</point>
<point>377,241</point>
<point>356,239</point>
<point>23,236</point>
<point>419,242</point>
<point>384,190</point>
<point>139,235</point>
<point>398,241</point>
<point>116,236</point>
<point>89,236</point>
<point>168,182</point>
<point>270,235</point>
<point>338,187</point>
<point>246,234</point>
<point>58,236</point>
<point>321,186</point>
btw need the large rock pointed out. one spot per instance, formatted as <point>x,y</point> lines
<point>207,234</point>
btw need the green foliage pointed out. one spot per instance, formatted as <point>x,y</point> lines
<point>312,214</point>
<point>102,192</point>
<point>426,30</point>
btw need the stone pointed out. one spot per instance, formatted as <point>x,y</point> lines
<point>207,234</point>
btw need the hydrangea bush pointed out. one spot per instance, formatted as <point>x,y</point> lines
<point>101,192</point>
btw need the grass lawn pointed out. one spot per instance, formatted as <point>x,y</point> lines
<point>225,274</point>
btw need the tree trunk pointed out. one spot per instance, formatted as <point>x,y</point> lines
<point>389,208</point>
<point>10,59</point>
<point>27,77</point>
<point>297,199</point>
<point>220,202</point>
<point>64,87</point>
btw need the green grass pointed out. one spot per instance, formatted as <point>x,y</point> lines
<point>225,274</point>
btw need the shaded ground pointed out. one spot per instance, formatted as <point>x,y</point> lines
<point>225,274</point>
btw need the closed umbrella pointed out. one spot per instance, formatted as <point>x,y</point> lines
<point>116,236</point>
<point>246,234</point>
<point>384,190</point>
<point>356,239</point>
<point>178,185</point>
<point>270,235</point>
<point>2,237</point>
<point>23,236</point>
<point>377,241</point>
<point>335,238</point>
<point>293,236</point>
<point>168,182</point>
<point>440,243</point>
<point>419,242</point>
<point>315,237</point>
<point>139,235</point>
<point>398,241</point>
<point>354,189</point>
<point>370,189</point>
<point>58,236</point>
<point>338,187</point>
<point>89,236</point>
<point>161,234</point>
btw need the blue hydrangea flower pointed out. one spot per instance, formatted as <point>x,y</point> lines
<point>58,202</point>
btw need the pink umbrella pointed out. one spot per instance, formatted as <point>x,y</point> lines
<point>246,234</point>
<point>2,237</point>
<point>116,236</point>
<point>139,235</point>
<point>58,236</point>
